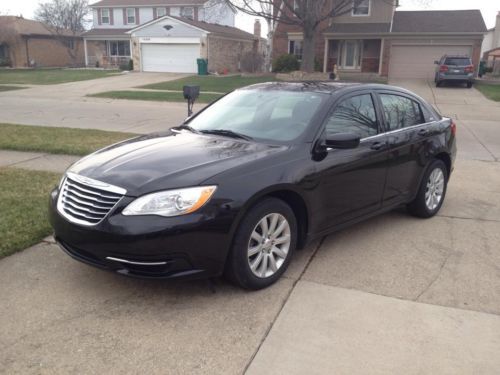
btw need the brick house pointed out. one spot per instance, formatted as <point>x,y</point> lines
<point>376,39</point>
<point>28,43</point>
<point>109,43</point>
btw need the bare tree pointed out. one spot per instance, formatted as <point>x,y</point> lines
<point>65,19</point>
<point>216,10</point>
<point>306,14</point>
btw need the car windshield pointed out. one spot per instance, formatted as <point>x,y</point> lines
<point>269,115</point>
<point>457,61</point>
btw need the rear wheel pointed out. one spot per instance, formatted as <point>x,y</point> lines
<point>263,245</point>
<point>438,83</point>
<point>431,192</point>
<point>469,85</point>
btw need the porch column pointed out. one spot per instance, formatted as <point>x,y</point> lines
<point>86,54</point>
<point>381,57</point>
<point>325,58</point>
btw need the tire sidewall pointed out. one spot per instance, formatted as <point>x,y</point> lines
<point>421,195</point>
<point>238,267</point>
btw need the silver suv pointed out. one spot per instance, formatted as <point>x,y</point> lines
<point>454,68</point>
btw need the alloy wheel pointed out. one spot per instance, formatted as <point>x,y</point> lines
<point>269,245</point>
<point>434,190</point>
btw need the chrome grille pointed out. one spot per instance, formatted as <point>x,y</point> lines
<point>87,201</point>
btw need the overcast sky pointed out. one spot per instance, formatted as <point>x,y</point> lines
<point>489,9</point>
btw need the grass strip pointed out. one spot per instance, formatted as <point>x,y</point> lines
<point>23,208</point>
<point>57,140</point>
<point>156,96</point>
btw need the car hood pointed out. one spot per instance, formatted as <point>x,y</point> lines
<point>166,161</point>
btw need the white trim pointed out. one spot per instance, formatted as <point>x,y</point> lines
<point>362,15</point>
<point>168,40</point>
<point>85,51</point>
<point>163,15</point>
<point>164,18</point>
<point>109,17</point>
<point>325,56</point>
<point>381,57</point>
<point>127,16</point>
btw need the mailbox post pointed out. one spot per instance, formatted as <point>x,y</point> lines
<point>191,93</point>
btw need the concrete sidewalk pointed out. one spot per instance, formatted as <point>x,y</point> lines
<point>36,161</point>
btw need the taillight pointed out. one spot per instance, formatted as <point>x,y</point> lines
<point>469,69</point>
<point>443,68</point>
<point>453,127</point>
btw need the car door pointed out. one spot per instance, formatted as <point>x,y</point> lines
<point>407,135</point>
<point>352,180</point>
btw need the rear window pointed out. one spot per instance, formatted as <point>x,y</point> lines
<point>457,61</point>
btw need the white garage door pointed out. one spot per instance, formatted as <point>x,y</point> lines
<point>172,58</point>
<point>418,61</point>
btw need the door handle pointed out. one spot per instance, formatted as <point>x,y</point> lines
<point>377,145</point>
<point>423,132</point>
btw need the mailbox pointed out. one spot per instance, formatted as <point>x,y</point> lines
<point>191,92</point>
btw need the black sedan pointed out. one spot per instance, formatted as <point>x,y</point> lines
<point>238,187</point>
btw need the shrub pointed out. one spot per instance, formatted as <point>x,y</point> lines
<point>4,61</point>
<point>318,65</point>
<point>252,62</point>
<point>131,65</point>
<point>286,63</point>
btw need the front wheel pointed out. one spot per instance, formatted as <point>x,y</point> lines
<point>431,192</point>
<point>263,245</point>
<point>469,85</point>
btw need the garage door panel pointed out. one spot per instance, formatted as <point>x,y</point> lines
<point>172,58</point>
<point>417,61</point>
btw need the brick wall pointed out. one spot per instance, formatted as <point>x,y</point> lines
<point>48,52</point>
<point>226,54</point>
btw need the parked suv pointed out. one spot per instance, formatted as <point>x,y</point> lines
<point>454,68</point>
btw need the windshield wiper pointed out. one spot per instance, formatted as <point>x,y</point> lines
<point>227,133</point>
<point>187,127</point>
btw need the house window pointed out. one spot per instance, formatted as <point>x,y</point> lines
<point>187,12</point>
<point>160,12</point>
<point>70,43</point>
<point>105,16</point>
<point>3,51</point>
<point>130,15</point>
<point>119,48</point>
<point>361,8</point>
<point>295,48</point>
<point>295,5</point>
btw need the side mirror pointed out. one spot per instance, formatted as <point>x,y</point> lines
<point>342,140</point>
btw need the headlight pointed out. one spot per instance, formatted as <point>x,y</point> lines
<point>171,202</point>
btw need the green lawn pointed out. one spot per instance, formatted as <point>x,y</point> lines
<point>10,88</point>
<point>210,83</point>
<point>56,140</point>
<point>50,76</point>
<point>23,208</point>
<point>158,96</point>
<point>490,91</point>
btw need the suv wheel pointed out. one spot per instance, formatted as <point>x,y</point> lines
<point>438,83</point>
<point>263,245</point>
<point>431,192</point>
<point>469,85</point>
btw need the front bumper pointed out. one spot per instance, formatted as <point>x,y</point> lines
<point>189,246</point>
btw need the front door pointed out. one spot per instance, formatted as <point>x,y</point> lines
<point>350,54</point>
<point>352,181</point>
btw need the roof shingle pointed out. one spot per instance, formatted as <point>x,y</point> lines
<point>25,26</point>
<point>439,21</point>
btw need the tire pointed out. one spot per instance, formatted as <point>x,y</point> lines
<point>469,85</point>
<point>432,191</point>
<point>438,83</point>
<point>272,211</point>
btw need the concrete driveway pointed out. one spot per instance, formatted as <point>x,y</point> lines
<point>66,105</point>
<point>394,294</point>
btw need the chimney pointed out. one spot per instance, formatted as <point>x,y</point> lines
<point>496,33</point>
<point>256,29</point>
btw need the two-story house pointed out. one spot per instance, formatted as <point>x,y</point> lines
<point>491,45</point>
<point>109,42</point>
<point>374,38</point>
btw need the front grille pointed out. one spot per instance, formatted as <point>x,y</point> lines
<point>86,201</point>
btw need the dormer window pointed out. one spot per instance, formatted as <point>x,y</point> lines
<point>361,8</point>
<point>131,16</point>
<point>105,16</point>
<point>160,12</point>
<point>187,12</point>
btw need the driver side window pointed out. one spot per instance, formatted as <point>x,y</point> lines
<point>354,115</point>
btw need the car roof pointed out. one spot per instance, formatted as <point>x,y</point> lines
<point>327,87</point>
